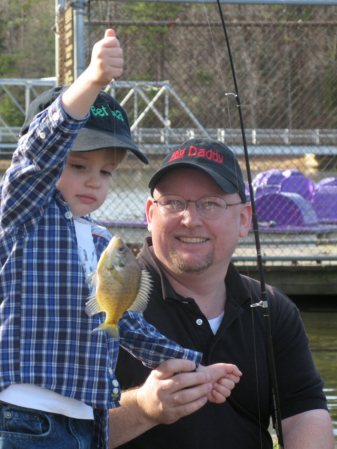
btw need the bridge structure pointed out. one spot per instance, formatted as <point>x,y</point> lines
<point>142,99</point>
<point>300,261</point>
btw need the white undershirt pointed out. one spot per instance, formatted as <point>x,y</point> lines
<point>35,397</point>
<point>86,247</point>
<point>215,322</point>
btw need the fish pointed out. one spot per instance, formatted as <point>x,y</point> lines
<point>119,284</point>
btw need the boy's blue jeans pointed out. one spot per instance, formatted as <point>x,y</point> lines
<point>23,428</point>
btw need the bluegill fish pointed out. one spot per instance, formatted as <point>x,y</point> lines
<point>119,283</point>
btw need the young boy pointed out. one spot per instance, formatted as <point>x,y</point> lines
<point>57,378</point>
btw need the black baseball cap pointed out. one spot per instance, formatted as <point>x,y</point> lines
<point>210,156</point>
<point>107,125</point>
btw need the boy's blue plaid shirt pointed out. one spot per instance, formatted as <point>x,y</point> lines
<point>46,336</point>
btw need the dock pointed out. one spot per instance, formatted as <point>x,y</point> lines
<point>299,264</point>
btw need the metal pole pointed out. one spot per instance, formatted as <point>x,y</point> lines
<point>79,50</point>
<point>59,6</point>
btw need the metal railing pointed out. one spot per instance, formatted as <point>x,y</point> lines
<point>154,101</point>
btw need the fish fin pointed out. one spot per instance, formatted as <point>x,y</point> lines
<point>111,328</point>
<point>91,306</point>
<point>142,298</point>
<point>92,279</point>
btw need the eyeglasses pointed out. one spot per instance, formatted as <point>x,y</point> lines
<point>210,207</point>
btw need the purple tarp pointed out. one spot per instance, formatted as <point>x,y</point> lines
<point>284,209</point>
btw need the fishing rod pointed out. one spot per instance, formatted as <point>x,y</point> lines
<point>263,303</point>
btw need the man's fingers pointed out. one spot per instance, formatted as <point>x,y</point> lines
<point>234,370</point>
<point>221,391</point>
<point>171,367</point>
<point>190,407</point>
<point>192,394</point>
<point>231,377</point>
<point>224,386</point>
<point>220,370</point>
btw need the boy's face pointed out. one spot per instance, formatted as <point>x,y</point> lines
<point>85,180</point>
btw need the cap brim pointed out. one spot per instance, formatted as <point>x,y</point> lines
<point>224,185</point>
<point>91,139</point>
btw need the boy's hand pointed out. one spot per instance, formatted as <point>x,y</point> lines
<point>224,377</point>
<point>106,60</point>
<point>106,63</point>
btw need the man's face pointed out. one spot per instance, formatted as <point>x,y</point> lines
<point>86,178</point>
<point>187,242</point>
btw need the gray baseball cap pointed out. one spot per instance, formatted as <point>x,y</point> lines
<point>107,126</point>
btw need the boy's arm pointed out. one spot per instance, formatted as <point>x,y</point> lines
<point>148,345</point>
<point>38,160</point>
<point>29,182</point>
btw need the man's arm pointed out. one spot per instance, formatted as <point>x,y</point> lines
<point>159,400</point>
<point>170,392</point>
<point>308,430</point>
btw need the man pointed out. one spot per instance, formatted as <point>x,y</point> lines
<point>196,216</point>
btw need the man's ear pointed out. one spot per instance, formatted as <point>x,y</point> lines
<point>149,205</point>
<point>245,219</point>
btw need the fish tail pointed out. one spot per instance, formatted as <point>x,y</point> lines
<point>111,328</point>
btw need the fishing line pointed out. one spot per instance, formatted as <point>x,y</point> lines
<point>263,303</point>
<point>239,408</point>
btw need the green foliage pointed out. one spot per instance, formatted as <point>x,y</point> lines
<point>9,112</point>
<point>330,88</point>
<point>142,11</point>
<point>152,12</point>
<point>26,47</point>
<point>285,64</point>
<point>8,66</point>
<point>26,27</point>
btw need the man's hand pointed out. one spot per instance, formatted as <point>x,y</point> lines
<point>174,389</point>
<point>224,377</point>
<point>171,391</point>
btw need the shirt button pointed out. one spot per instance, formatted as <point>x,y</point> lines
<point>8,414</point>
<point>68,214</point>
<point>115,393</point>
<point>42,135</point>
<point>56,116</point>
<point>199,322</point>
<point>115,383</point>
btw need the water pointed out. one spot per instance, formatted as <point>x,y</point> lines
<point>122,205</point>
<point>321,324</point>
